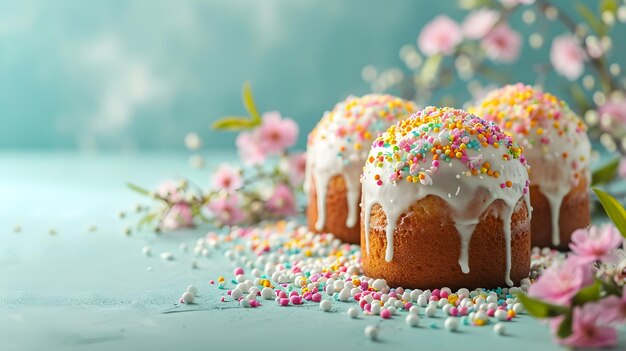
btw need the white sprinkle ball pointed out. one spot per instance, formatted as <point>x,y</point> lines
<point>187,297</point>
<point>146,251</point>
<point>353,312</point>
<point>499,328</point>
<point>193,290</point>
<point>375,309</point>
<point>451,324</point>
<point>500,315</point>
<point>268,294</point>
<point>371,332</point>
<point>326,305</point>
<point>379,284</point>
<point>244,303</point>
<point>167,256</point>
<point>236,293</point>
<point>446,309</point>
<point>414,310</point>
<point>518,308</point>
<point>430,311</point>
<point>412,320</point>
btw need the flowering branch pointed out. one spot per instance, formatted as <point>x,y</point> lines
<point>264,188</point>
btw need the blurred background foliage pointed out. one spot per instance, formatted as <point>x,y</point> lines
<point>139,75</point>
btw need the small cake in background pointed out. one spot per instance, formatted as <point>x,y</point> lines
<point>445,203</point>
<point>336,151</point>
<point>557,149</point>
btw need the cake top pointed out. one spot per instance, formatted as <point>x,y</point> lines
<point>355,122</point>
<point>538,120</point>
<point>418,147</point>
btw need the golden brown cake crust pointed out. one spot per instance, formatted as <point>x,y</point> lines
<point>336,211</point>
<point>574,214</point>
<point>427,248</point>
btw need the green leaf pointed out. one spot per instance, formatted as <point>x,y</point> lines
<point>592,20</point>
<point>605,173</point>
<point>233,123</point>
<point>248,102</point>
<point>589,293</point>
<point>609,6</point>
<point>613,209</point>
<point>540,309</point>
<point>611,288</point>
<point>138,189</point>
<point>565,328</point>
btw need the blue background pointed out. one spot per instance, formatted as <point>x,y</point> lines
<point>139,75</point>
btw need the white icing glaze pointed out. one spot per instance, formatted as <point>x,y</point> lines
<point>331,149</point>
<point>468,196</point>
<point>557,154</point>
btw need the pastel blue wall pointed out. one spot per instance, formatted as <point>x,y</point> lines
<point>127,75</point>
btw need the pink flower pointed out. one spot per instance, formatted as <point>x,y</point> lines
<point>613,110</point>
<point>478,23</point>
<point>282,201</point>
<point>227,178</point>
<point>276,133</point>
<point>249,149</point>
<point>169,191</point>
<point>439,36</point>
<point>178,216</point>
<point>614,308</point>
<point>502,44</point>
<point>561,281</point>
<point>297,166</point>
<point>567,57</point>
<point>586,332</point>
<point>596,243</point>
<point>227,210</point>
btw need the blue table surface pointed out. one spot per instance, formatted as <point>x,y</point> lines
<point>95,290</point>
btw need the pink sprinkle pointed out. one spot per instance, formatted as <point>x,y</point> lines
<point>223,299</point>
<point>211,282</point>
<point>295,300</point>
<point>283,301</point>
<point>317,297</point>
<point>443,295</point>
<point>362,303</point>
<point>437,292</point>
<point>254,303</point>
<point>502,185</point>
<point>385,314</point>
<point>408,305</point>
<point>364,286</point>
<point>379,182</point>
<point>491,312</point>
<point>293,293</point>
<point>376,296</point>
<point>228,292</point>
<point>367,307</point>
<point>433,298</point>
<point>400,290</point>
<point>463,310</point>
<point>454,312</point>
<point>357,296</point>
<point>393,294</point>
<point>282,294</point>
<point>238,271</point>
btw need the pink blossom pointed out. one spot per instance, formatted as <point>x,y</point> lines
<point>614,308</point>
<point>586,332</point>
<point>227,209</point>
<point>178,216</point>
<point>249,149</point>
<point>282,201</point>
<point>478,23</point>
<point>502,44</point>
<point>439,36</point>
<point>227,178</point>
<point>596,243</point>
<point>561,281</point>
<point>276,133</point>
<point>613,110</point>
<point>169,191</point>
<point>567,57</point>
<point>297,166</point>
